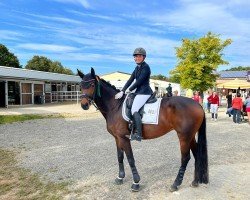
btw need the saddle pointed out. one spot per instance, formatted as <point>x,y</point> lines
<point>130,100</point>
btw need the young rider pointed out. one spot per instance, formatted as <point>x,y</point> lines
<point>141,75</point>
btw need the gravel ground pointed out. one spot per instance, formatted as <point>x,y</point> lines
<point>81,150</point>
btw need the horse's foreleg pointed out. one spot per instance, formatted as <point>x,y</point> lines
<point>129,153</point>
<point>185,157</point>
<point>120,156</point>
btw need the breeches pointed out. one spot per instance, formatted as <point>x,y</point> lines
<point>138,102</point>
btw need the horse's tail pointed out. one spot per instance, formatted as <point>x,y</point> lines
<point>201,163</point>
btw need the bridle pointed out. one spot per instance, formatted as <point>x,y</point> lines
<point>89,98</point>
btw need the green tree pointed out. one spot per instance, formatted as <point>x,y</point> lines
<point>42,63</point>
<point>198,61</point>
<point>174,76</point>
<point>239,68</point>
<point>159,77</point>
<point>7,58</point>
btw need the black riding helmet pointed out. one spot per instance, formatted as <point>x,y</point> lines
<point>139,51</point>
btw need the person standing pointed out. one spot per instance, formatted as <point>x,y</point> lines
<point>176,93</point>
<point>141,75</point>
<point>197,97</point>
<point>205,102</point>
<point>214,105</point>
<point>237,106</point>
<point>229,101</point>
<point>247,103</point>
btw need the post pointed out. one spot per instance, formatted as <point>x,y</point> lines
<point>6,94</point>
<point>32,93</point>
<point>21,95</point>
<point>76,97</point>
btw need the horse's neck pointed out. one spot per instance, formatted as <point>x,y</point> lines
<point>106,103</point>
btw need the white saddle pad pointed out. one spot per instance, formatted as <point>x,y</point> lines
<point>150,112</point>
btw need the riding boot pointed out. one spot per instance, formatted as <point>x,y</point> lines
<point>137,135</point>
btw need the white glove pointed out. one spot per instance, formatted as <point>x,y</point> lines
<point>119,95</point>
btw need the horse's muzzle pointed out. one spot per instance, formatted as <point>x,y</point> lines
<point>85,106</point>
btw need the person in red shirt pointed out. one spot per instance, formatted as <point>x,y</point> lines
<point>237,105</point>
<point>214,100</point>
<point>197,97</point>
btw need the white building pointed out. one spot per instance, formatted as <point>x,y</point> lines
<point>118,79</point>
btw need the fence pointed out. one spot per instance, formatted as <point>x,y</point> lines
<point>60,96</point>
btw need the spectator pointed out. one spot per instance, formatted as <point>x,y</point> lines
<point>205,102</point>
<point>197,97</point>
<point>247,103</point>
<point>176,93</point>
<point>229,101</point>
<point>237,105</point>
<point>214,100</point>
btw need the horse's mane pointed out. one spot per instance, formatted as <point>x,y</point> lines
<point>119,101</point>
<point>108,84</point>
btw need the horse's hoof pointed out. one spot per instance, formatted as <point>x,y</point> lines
<point>194,184</point>
<point>118,181</point>
<point>135,187</point>
<point>173,188</point>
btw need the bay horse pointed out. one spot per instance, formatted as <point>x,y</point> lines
<point>181,114</point>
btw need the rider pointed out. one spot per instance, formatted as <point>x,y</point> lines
<point>141,75</point>
<point>169,90</point>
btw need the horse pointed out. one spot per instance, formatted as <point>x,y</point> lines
<point>181,114</point>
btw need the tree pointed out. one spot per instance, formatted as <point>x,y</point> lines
<point>174,76</point>
<point>42,63</point>
<point>159,77</point>
<point>7,58</point>
<point>239,68</point>
<point>198,61</point>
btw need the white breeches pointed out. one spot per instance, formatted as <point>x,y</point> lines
<point>214,108</point>
<point>139,101</point>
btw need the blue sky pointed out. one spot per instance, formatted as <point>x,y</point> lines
<point>103,34</point>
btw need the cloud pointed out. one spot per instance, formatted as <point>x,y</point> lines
<point>47,47</point>
<point>10,35</point>
<point>94,15</point>
<point>84,3</point>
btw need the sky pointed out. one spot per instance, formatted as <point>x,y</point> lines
<point>103,34</point>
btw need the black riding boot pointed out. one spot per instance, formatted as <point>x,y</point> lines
<point>137,135</point>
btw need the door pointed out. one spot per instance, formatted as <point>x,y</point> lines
<point>2,94</point>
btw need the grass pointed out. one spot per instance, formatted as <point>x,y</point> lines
<point>21,184</point>
<point>4,119</point>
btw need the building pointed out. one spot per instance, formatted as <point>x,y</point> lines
<point>118,79</point>
<point>225,76</point>
<point>22,86</point>
<point>234,81</point>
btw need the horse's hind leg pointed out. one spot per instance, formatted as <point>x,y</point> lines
<point>194,151</point>
<point>185,157</point>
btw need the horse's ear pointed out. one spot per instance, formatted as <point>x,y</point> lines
<point>80,73</point>
<point>92,72</point>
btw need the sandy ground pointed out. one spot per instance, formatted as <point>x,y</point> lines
<point>72,109</point>
<point>81,150</point>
